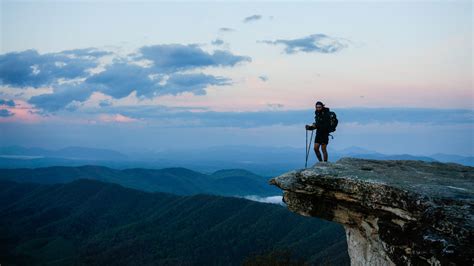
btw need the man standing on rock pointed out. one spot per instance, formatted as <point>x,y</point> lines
<point>321,124</point>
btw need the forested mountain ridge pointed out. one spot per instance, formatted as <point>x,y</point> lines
<point>176,180</point>
<point>92,222</point>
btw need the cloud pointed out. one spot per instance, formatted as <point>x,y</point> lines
<point>225,29</point>
<point>142,111</point>
<point>274,114</point>
<point>316,43</point>
<point>9,103</point>
<point>121,78</point>
<point>61,97</point>
<point>271,199</point>
<point>5,113</point>
<point>31,69</point>
<point>194,83</point>
<point>275,106</point>
<point>90,52</point>
<point>116,118</point>
<point>217,42</point>
<point>277,116</point>
<point>152,71</point>
<point>179,57</point>
<point>252,18</point>
<point>105,103</point>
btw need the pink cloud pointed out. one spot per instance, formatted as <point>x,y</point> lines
<point>22,112</point>
<point>116,118</point>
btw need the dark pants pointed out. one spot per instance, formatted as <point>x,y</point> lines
<point>321,137</point>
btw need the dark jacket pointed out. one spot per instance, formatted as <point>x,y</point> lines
<point>322,120</point>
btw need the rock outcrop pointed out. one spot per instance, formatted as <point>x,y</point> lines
<point>395,212</point>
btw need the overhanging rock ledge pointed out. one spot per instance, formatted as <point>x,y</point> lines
<point>395,212</point>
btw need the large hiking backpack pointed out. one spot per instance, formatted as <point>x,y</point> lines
<point>332,121</point>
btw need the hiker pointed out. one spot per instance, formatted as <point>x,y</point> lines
<point>322,126</point>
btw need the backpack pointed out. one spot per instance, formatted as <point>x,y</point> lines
<point>332,121</point>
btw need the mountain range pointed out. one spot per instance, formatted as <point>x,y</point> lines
<point>180,181</point>
<point>267,161</point>
<point>90,222</point>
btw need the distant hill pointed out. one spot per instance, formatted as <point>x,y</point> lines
<point>378,156</point>
<point>72,153</point>
<point>175,180</point>
<point>446,158</point>
<point>267,161</point>
<point>95,223</point>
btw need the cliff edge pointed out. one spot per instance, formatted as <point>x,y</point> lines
<point>395,212</point>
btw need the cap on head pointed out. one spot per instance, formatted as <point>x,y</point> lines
<point>319,103</point>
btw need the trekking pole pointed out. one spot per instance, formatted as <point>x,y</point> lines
<point>306,151</point>
<point>310,142</point>
<point>308,148</point>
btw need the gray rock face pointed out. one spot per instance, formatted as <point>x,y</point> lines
<point>395,212</point>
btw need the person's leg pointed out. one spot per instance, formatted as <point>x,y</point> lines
<point>324,144</point>
<point>325,152</point>
<point>316,150</point>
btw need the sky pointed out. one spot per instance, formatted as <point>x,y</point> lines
<point>154,75</point>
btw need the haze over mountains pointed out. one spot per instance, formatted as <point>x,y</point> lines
<point>261,160</point>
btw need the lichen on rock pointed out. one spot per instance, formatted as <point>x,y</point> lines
<point>395,212</point>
